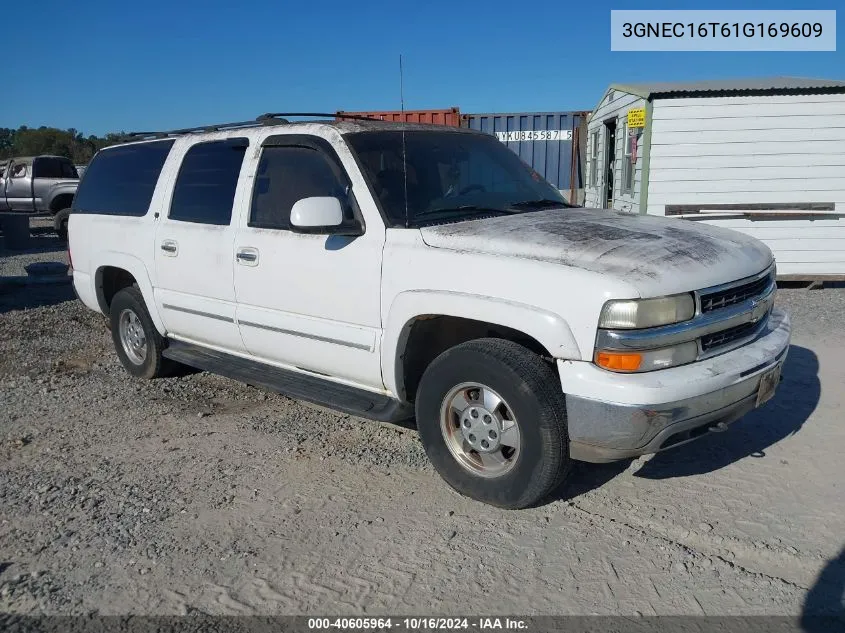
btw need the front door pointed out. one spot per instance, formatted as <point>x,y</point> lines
<point>19,187</point>
<point>308,301</point>
<point>194,247</point>
<point>609,161</point>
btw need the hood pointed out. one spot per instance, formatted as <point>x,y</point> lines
<point>656,255</point>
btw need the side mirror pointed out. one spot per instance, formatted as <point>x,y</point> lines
<point>322,215</point>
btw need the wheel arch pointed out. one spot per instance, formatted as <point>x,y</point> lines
<point>116,271</point>
<point>61,200</point>
<point>417,313</point>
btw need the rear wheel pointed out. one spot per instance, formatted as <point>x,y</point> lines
<point>136,340</point>
<point>492,418</point>
<point>60,224</point>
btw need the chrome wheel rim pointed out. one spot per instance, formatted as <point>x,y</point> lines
<point>480,430</point>
<point>132,337</point>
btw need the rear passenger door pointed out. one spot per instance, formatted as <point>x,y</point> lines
<point>47,171</point>
<point>194,251</point>
<point>311,301</point>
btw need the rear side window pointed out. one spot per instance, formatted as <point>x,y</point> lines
<point>52,167</point>
<point>69,170</point>
<point>47,167</point>
<point>286,175</point>
<point>205,187</point>
<point>121,180</point>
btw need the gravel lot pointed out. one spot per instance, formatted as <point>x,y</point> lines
<point>199,494</point>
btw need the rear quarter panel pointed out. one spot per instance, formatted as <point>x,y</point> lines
<point>47,190</point>
<point>98,241</point>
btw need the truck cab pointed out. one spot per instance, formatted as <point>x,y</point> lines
<point>38,184</point>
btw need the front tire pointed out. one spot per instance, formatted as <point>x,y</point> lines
<point>492,419</point>
<point>136,340</point>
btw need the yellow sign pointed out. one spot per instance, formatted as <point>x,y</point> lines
<point>636,117</point>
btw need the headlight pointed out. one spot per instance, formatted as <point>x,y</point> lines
<point>647,360</point>
<point>632,314</point>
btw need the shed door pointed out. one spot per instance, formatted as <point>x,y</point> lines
<point>609,161</point>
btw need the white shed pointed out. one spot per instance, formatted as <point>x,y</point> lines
<point>761,156</point>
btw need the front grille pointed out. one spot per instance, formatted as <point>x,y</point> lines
<point>725,337</point>
<point>732,296</point>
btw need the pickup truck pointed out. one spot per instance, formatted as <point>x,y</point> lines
<point>393,270</point>
<point>40,183</point>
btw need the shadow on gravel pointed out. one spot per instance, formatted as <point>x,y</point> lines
<point>586,477</point>
<point>41,241</point>
<point>784,415</point>
<point>4,567</point>
<point>824,607</point>
<point>34,296</point>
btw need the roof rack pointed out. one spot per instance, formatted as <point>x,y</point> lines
<point>270,118</point>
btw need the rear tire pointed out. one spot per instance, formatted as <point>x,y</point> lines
<point>469,399</point>
<point>60,223</point>
<point>136,340</point>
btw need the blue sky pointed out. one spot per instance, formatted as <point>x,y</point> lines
<point>109,66</point>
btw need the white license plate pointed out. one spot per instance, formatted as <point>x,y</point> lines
<point>768,384</point>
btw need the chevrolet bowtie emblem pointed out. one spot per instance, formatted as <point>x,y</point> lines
<point>759,308</point>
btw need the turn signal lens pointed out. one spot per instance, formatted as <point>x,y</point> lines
<point>619,362</point>
<point>648,360</point>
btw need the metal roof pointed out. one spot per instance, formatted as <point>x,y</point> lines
<point>772,85</point>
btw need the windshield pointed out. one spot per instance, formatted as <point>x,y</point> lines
<point>450,176</point>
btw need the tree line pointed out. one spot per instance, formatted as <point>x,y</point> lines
<point>71,143</point>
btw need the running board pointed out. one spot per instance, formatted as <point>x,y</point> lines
<point>351,400</point>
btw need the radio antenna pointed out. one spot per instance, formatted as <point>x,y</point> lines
<point>404,156</point>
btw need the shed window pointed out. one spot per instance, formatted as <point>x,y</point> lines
<point>627,162</point>
<point>594,153</point>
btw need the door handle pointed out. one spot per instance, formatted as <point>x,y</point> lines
<point>170,247</point>
<point>247,256</point>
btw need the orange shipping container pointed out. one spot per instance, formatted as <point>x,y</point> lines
<point>449,116</point>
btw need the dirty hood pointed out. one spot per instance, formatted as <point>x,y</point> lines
<point>656,255</point>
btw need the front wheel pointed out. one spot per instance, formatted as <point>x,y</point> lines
<point>492,419</point>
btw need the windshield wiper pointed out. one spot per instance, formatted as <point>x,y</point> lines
<point>465,207</point>
<point>542,203</point>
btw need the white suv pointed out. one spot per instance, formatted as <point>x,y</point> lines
<point>396,270</point>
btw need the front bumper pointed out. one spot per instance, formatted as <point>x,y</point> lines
<point>615,416</point>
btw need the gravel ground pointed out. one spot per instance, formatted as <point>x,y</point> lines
<point>197,494</point>
<point>45,246</point>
